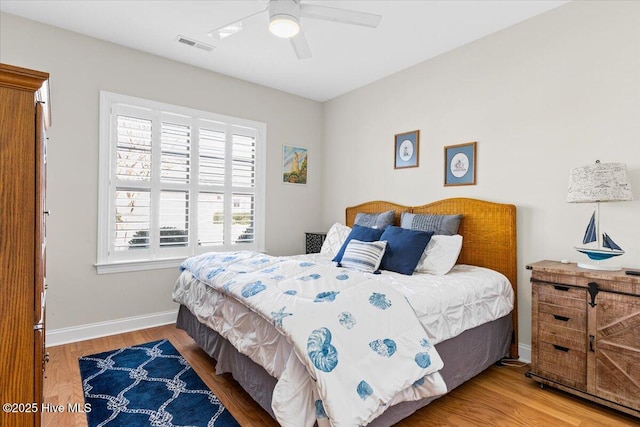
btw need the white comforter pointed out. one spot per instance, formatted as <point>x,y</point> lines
<point>359,345</point>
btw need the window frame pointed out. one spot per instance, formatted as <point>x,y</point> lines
<point>109,260</point>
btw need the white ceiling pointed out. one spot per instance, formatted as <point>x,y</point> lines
<point>345,57</point>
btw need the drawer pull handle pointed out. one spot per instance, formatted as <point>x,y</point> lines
<point>561,348</point>
<point>591,341</point>
<point>561,288</point>
<point>563,318</point>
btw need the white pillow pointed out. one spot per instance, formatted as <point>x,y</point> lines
<point>336,236</point>
<point>363,256</point>
<point>440,255</point>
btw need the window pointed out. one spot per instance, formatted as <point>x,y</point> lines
<point>176,182</point>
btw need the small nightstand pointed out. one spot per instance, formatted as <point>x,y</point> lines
<point>585,333</point>
<point>314,241</point>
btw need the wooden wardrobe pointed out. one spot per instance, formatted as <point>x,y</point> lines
<point>24,118</point>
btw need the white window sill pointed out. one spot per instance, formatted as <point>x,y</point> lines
<point>127,266</point>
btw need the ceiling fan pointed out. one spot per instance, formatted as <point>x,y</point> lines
<point>284,21</point>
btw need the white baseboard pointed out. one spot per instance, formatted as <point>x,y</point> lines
<point>61,336</point>
<point>524,351</point>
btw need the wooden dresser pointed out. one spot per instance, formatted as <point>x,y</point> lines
<point>585,333</point>
<point>24,117</point>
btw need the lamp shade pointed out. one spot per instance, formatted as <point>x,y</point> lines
<point>599,182</point>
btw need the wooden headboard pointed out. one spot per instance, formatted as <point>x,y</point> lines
<point>488,230</point>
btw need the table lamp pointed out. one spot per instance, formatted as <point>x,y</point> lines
<point>596,183</point>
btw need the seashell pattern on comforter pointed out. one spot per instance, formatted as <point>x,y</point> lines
<point>358,345</point>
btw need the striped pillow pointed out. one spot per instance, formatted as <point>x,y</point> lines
<point>440,224</point>
<point>363,256</point>
<point>375,220</point>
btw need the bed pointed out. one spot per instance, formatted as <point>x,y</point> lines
<point>260,355</point>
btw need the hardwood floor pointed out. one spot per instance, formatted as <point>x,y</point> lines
<point>500,396</point>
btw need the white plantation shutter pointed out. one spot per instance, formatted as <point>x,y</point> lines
<point>133,148</point>
<point>176,182</point>
<point>131,213</point>
<point>243,171</point>
<point>175,142</point>
<point>132,219</point>
<point>227,165</point>
<point>244,159</point>
<point>173,206</point>
<point>211,219</point>
<point>174,219</point>
<point>212,154</point>
<point>242,215</point>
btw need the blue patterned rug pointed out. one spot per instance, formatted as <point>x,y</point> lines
<point>148,385</point>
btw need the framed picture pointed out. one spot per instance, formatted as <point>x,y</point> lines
<point>406,149</point>
<point>460,164</point>
<point>294,164</point>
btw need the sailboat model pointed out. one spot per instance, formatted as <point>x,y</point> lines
<point>605,250</point>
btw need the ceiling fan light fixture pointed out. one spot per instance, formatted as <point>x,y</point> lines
<point>285,26</point>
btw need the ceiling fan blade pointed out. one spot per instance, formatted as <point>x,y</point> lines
<point>231,28</point>
<point>340,15</point>
<point>300,46</point>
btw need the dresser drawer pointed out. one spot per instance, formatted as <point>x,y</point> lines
<point>562,336</point>
<point>618,285</point>
<point>561,315</point>
<point>554,277</point>
<point>562,364</point>
<point>565,296</point>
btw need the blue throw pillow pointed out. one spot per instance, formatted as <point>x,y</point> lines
<point>358,232</point>
<point>404,248</point>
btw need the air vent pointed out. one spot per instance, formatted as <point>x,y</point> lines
<point>194,43</point>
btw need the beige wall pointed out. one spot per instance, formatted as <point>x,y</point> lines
<point>555,92</point>
<point>80,67</point>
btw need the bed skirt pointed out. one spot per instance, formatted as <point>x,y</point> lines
<point>464,356</point>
